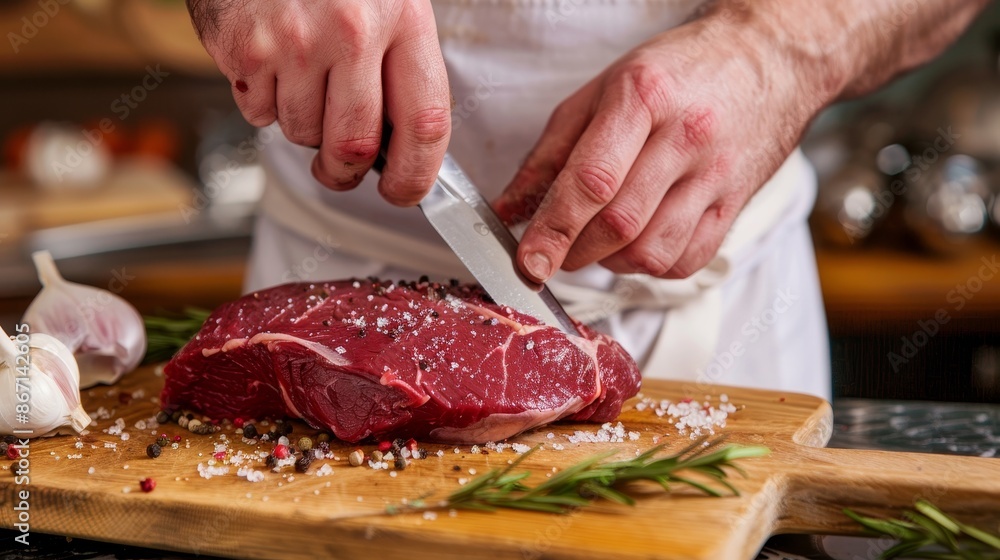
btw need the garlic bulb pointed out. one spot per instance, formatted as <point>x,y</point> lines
<point>39,386</point>
<point>104,332</point>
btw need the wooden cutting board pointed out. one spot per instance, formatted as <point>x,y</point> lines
<point>799,488</point>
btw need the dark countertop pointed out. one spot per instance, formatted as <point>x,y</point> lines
<point>946,428</point>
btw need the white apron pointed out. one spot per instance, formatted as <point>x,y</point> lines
<point>752,317</point>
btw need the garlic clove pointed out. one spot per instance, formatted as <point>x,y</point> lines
<point>105,333</point>
<point>52,386</point>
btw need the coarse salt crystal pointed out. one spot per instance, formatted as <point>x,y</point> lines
<point>430,515</point>
<point>91,470</point>
<point>341,350</point>
<point>520,448</point>
<point>392,474</point>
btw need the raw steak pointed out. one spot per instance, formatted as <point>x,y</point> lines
<point>371,358</point>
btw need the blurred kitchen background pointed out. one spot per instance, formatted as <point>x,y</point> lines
<point>124,155</point>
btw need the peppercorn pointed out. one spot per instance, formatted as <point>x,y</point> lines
<point>377,456</point>
<point>398,444</point>
<point>305,444</point>
<point>422,453</point>
<point>177,438</point>
<point>202,429</point>
<point>323,437</point>
<point>12,452</point>
<point>147,484</point>
<point>162,417</point>
<point>324,446</point>
<point>3,448</point>
<point>356,458</point>
<point>163,440</point>
<point>183,421</point>
<point>302,464</point>
<point>175,416</point>
<point>362,333</point>
<point>250,431</point>
<point>194,424</point>
<point>271,461</point>
<point>9,440</point>
<point>280,451</point>
<point>384,446</point>
<point>424,365</point>
<point>456,468</point>
<point>153,450</point>
<point>399,462</point>
<point>238,422</point>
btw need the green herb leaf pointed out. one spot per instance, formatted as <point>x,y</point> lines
<point>923,533</point>
<point>596,478</point>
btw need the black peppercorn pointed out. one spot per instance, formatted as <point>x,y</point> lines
<point>362,333</point>
<point>399,462</point>
<point>435,314</point>
<point>424,365</point>
<point>162,417</point>
<point>250,431</point>
<point>271,461</point>
<point>153,451</point>
<point>3,447</point>
<point>397,444</point>
<point>456,468</point>
<point>302,464</point>
<point>162,441</point>
<point>9,440</point>
<point>421,453</point>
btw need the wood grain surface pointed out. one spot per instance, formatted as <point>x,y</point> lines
<point>800,487</point>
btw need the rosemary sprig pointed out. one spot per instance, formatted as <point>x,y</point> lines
<point>167,334</point>
<point>928,533</point>
<point>594,478</point>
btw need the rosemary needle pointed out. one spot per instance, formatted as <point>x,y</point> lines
<point>167,334</point>
<point>926,532</point>
<point>596,478</point>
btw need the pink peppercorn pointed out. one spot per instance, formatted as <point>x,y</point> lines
<point>384,446</point>
<point>219,455</point>
<point>147,484</point>
<point>177,439</point>
<point>280,451</point>
<point>238,422</point>
<point>411,444</point>
<point>12,452</point>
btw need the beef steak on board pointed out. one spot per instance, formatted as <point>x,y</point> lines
<point>374,358</point>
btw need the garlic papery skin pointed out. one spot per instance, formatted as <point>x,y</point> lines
<point>52,386</point>
<point>105,333</point>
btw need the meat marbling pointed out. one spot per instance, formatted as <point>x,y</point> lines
<point>373,358</point>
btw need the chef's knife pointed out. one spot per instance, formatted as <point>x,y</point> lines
<point>468,224</point>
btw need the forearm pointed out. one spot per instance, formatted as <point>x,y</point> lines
<point>847,48</point>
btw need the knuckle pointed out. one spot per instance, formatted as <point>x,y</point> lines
<point>597,181</point>
<point>353,29</point>
<point>649,84</point>
<point>361,149</point>
<point>431,126</point>
<point>557,235</point>
<point>646,261</point>
<point>619,225</point>
<point>699,125</point>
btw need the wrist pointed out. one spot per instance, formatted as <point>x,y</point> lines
<point>805,59</point>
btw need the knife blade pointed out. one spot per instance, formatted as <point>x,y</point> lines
<point>467,223</point>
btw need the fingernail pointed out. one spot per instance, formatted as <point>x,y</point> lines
<point>538,265</point>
